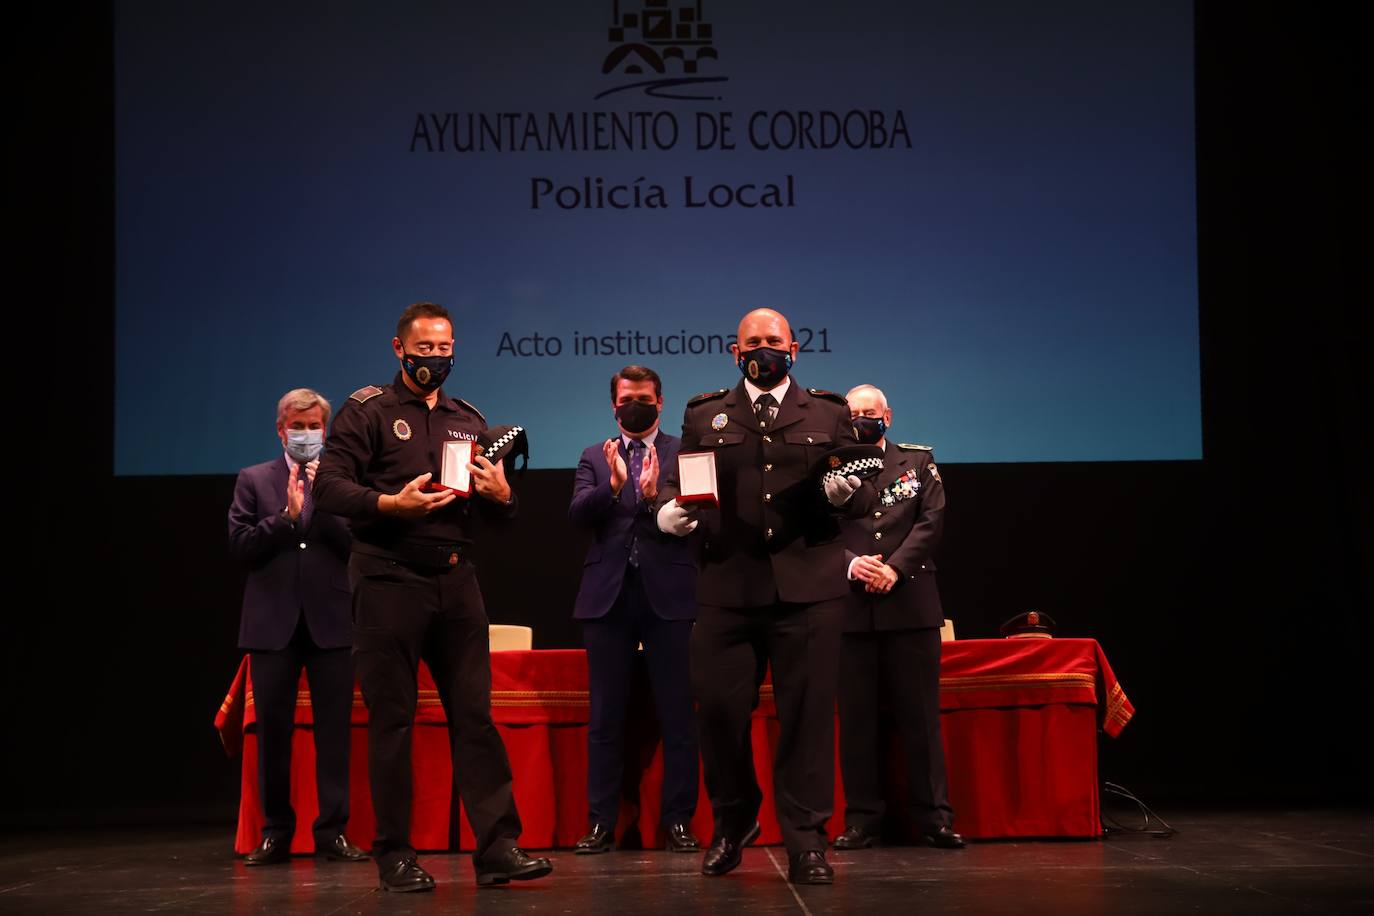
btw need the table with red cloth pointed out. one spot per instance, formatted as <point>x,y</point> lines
<point>1020,719</point>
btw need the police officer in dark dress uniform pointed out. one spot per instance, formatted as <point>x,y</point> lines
<point>891,640</point>
<point>415,596</point>
<point>770,590</point>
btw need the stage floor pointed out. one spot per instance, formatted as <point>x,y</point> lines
<point>1251,862</point>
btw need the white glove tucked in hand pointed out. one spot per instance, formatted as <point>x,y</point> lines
<point>838,489</point>
<point>673,518</point>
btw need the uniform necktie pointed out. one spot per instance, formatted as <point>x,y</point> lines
<point>766,409</point>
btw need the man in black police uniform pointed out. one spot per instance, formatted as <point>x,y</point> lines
<point>295,615</point>
<point>891,640</point>
<point>415,596</point>
<point>770,589</point>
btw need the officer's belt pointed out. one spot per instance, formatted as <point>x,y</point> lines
<point>432,557</point>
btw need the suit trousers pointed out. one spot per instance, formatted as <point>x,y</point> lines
<point>276,675</point>
<point>402,616</point>
<point>611,654</point>
<point>732,648</point>
<point>889,676</point>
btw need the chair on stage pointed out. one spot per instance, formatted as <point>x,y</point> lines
<point>510,638</point>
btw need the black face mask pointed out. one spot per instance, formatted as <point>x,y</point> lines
<point>869,429</point>
<point>765,366</point>
<point>427,372</point>
<point>636,416</point>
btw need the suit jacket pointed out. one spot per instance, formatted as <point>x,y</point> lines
<point>774,535</point>
<point>905,528</point>
<point>666,563</point>
<point>289,571</point>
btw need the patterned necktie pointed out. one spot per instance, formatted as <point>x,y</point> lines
<point>765,409</point>
<point>307,504</point>
<point>636,465</point>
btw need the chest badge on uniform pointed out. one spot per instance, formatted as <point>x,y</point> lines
<point>718,422</point>
<point>402,430</point>
<point>907,486</point>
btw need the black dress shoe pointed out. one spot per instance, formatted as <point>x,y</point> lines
<point>512,865</point>
<point>943,838</point>
<point>600,839</point>
<point>725,853</point>
<point>810,867</point>
<point>340,850</point>
<point>271,851</point>
<point>681,839</point>
<point>855,838</point>
<point>406,875</point>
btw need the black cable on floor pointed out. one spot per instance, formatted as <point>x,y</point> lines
<point>1112,827</point>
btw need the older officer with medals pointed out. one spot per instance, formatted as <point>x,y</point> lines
<point>770,590</point>
<point>416,597</point>
<point>891,642</point>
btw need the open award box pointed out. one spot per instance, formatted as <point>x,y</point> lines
<point>696,477</point>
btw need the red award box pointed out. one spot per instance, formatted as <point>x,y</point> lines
<point>453,473</point>
<point>696,477</point>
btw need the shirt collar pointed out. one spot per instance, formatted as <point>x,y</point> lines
<point>777,392</point>
<point>647,440</point>
<point>403,394</point>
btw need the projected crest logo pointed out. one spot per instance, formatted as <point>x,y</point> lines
<point>655,37</point>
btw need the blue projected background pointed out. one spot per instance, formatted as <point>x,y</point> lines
<point>998,226</point>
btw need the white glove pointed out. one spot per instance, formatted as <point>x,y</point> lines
<point>838,489</point>
<point>674,519</point>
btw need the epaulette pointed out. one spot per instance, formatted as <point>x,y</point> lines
<point>828,395</point>
<point>708,395</point>
<point>471,408</point>
<point>363,395</point>
<point>908,447</point>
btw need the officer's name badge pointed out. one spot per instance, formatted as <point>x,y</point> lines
<point>718,421</point>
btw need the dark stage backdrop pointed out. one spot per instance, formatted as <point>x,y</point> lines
<point>1232,594</point>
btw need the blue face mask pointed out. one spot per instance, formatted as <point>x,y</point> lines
<point>869,429</point>
<point>765,366</point>
<point>304,445</point>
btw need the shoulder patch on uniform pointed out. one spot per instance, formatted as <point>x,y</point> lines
<point>471,408</point>
<point>908,447</point>
<point>709,395</point>
<point>827,395</point>
<point>363,395</point>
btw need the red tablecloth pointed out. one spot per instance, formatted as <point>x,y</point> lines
<point>1020,721</point>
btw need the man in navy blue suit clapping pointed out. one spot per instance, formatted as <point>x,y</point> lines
<point>296,615</point>
<point>638,586</point>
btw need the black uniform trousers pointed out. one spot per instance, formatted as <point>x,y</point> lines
<point>276,675</point>
<point>611,643</point>
<point>731,650</point>
<point>402,615</point>
<point>886,676</point>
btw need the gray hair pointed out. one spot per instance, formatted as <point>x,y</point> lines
<point>882,398</point>
<point>302,399</point>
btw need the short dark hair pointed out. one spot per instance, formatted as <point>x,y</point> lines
<point>420,310</point>
<point>636,374</point>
